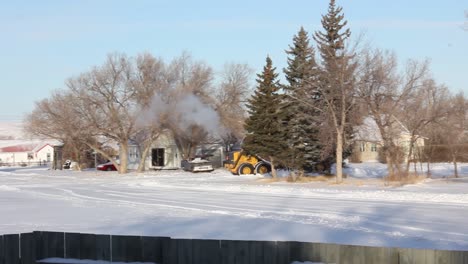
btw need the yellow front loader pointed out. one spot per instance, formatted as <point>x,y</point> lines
<point>240,163</point>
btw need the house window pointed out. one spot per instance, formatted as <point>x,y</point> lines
<point>30,155</point>
<point>133,153</point>
<point>48,157</point>
<point>362,147</point>
<point>373,148</point>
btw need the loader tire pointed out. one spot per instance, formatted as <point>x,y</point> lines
<point>245,168</point>
<point>262,168</point>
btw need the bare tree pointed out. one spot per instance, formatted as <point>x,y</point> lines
<point>385,93</point>
<point>138,99</point>
<point>150,81</point>
<point>427,106</point>
<point>456,126</point>
<point>56,118</point>
<point>190,103</point>
<point>105,102</point>
<point>231,96</point>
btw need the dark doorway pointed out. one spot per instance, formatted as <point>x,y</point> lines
<point>157,157</point>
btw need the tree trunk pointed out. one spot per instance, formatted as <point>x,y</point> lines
<point>429,162</point>
<point>273,169</point>
<point>389,164</point>
<point>455,165</point>
<point>408,158</point>
<point>144,154</point>
<point>123,157</point>
<point>339,156</point>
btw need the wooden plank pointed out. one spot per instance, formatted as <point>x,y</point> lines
<point>303,251</point>
<point>11,249</point>
<point>103,247</point>
<point>152,249</point>
<point>53,245</point>
<point>462,256</point>
<point>96,247</point>
<point>405,256</point>
<point>429,256</point>
<point>87,246</point>
<point>332,253</point>
<point>206,251</point>
<point>184,251</point>
<point>37,236</point>
<point>282,252</point>
<point>444,256</point>
<point>72,245</point>
<point>296,251</point>
<point>28,248</point>
<point>319,252</point>
<point>234,252</point>
<point>2,249</point>
<point>269,250</point>
<point>352,254</point>
<point>242,252</point>
<point>227,252</point>
<point>256,252</point>
<point>169,249</point>
<point>412,255</point>
<point>126,248</point>
<point>374,255</point>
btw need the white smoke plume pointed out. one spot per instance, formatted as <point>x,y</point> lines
<point>182,111</point>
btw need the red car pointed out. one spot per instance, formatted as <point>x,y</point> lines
<point>108,166</point>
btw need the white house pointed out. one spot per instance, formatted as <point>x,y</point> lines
<point>165,155</point>
<point>20,153</point>
<point>368,141</point>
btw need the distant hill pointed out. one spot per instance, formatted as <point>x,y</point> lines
<point>10,130</point>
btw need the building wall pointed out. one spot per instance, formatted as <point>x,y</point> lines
<point>366,152</point>
<point>46,153</point>
<point>172,157</point>
<point>13,157</point>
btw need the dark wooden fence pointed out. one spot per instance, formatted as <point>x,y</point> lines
<point>27,248</point>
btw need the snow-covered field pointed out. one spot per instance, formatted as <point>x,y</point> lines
<point>362,211</point>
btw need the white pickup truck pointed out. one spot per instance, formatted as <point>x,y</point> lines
<point>197,165</point>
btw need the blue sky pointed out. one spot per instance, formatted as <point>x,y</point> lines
<point>45,42</point>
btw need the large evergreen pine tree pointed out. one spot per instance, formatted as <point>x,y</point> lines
<point>263,126</point>
<point>298,110</point>
<point>336,84</point>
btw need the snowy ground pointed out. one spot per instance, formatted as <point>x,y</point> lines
<point>362,211</point>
